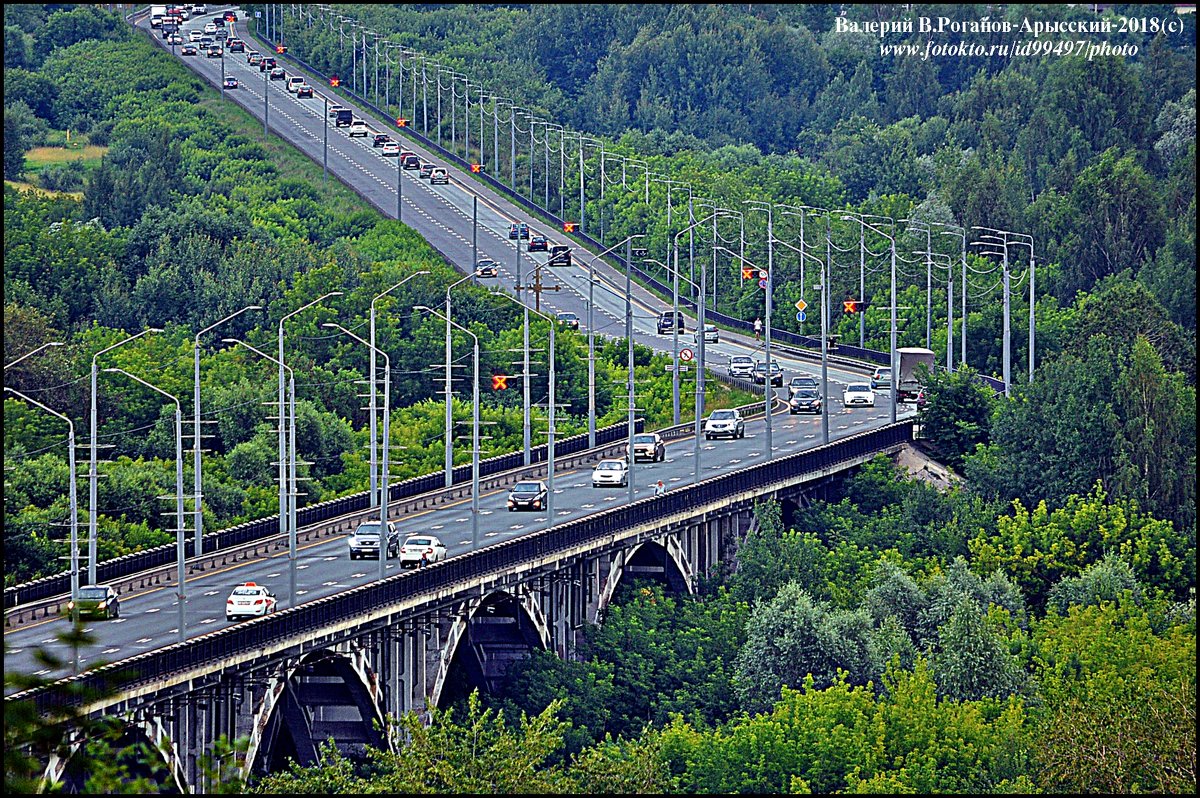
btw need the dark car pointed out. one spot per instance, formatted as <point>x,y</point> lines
<point>277,73</point>
<point>560,255</point>
<point>760,373</point>
<point>215,51</point>
<point>379,139</point>
<point>669,319</point>
<point>805,400</point>
<point>410,161</point>
<point>528,494</point>
<point>803,381</point>
<point>230,82</point>
<point>538,243</point>
<point>568,319</point>
<point>304,91</point>
<point>236,46</point>
<point>518,230</point>
<point>267,62</point>
<point>487,267</point>
<point>188,49</point>
<point>97,601</point>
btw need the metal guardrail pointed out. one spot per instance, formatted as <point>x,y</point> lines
<point>249,531</point>
<point>260,634</point>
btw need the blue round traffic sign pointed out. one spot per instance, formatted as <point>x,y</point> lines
<point>800,316</point>
<point>762,283</point>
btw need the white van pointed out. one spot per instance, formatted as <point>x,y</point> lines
<point>294,82</point>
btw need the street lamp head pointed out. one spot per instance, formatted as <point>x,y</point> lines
<point>422,308</point>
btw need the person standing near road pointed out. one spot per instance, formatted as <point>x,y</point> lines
<point>660,488</point>
<point>757,329</point>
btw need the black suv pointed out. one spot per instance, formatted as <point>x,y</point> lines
<point>380,139</point>
<point>666,319</point>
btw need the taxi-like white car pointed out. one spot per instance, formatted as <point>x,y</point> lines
<point>858,395</point>
<point>249,600</point>
<point>417,545</point>
<point>610,472</point>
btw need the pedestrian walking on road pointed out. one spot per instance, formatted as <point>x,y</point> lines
<point>757,329</point>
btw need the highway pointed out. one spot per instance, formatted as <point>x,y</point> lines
<point>442,214</point>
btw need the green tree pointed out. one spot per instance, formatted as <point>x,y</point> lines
<point>1118,711</point>
<point>957,414</point>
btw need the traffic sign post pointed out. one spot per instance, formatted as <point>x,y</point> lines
<point>686,354</point>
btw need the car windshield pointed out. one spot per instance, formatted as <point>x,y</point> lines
<point>418,542</point>
<point>365,529</point>
<point>742,360</point>
<point>858,388</point>
<point>93,593</point>
<point>611,465</point>
<point>643,439</point>
<point>526,487</point>
<point>806,393</point>
<point>722,414</point>
<point>248,591</point>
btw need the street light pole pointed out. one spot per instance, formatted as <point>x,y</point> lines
<point>550,401</point>
<point>288,472</point>
<point>449,459</point>
<point>197,482</point>
<point>72,503</point>
<point>893,357</point>
<point>92,474</point>
<point>286,510</point>
<point>769,393</point>
<point>591,303</point>
<point>373,386</point>
<point>474,430</point>
<point>180,553</point>
<point>384,537</point>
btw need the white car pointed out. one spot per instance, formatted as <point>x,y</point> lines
<point>610,472</point>
<point>210,28</point>
<point>416,545</point>
<point>294,83</point>
<point>196,35</point>
<point>249,599</point>
<point>724,423</point>
<point>359,128</point>
<point>727,423</point>
<point>711,336</point>
<point>858,394</point>
<point>391,149</point>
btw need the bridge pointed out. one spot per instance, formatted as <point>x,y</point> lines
<point>333,666</point>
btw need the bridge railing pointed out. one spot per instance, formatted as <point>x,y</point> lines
<point>249,531</point>
<point>152,667</point>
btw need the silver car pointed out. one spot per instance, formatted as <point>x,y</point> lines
<point>364,543</point>
<point>724,423</point>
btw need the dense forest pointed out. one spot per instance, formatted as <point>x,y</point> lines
<point>1030,630</point>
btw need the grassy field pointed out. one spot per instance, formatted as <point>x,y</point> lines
<point>40,156</point>
<point>19,186</point>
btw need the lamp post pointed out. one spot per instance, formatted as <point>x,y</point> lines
<point>31,353</point>
<point>955,230</point>
<point>675,326</point>
<point>770,392</point>
<point>676,277</point>
<point>72,504</point>
<point>373,382</point>
<point>287,472</point>
<point>550,401</point>
<point>180,553</point>
<point>92,475</point>
<point>591,303</point>
<point>449,460</point>
<point>993,236</point>
<point>387,442</point>
<point>474,429</point>
<point>287,508</point>
<point>891,237</point>
<point>197,482</point>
